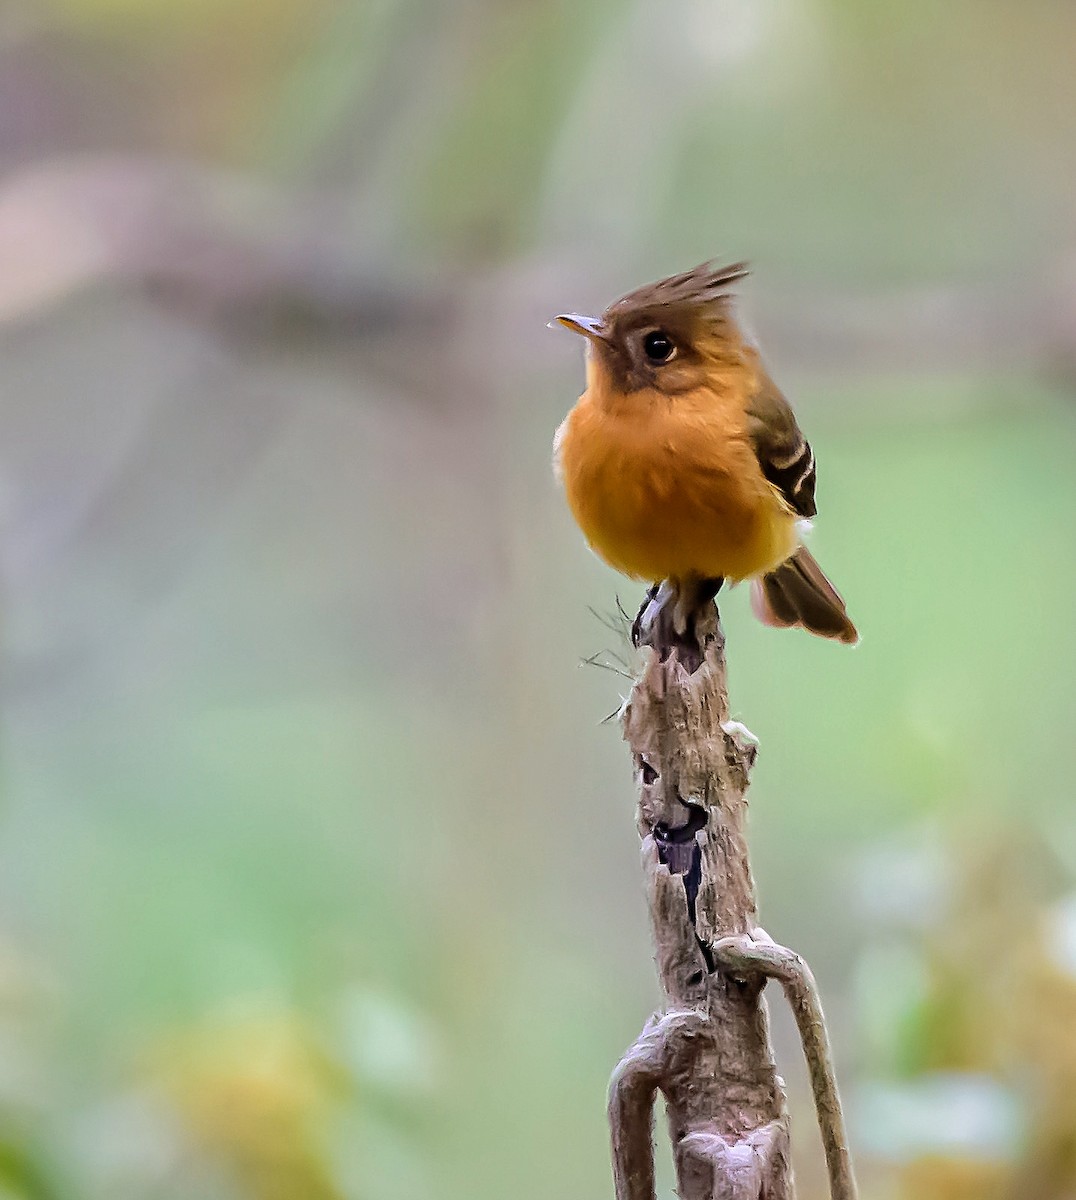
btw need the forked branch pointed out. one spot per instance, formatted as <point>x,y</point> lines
<point>709,1051</point>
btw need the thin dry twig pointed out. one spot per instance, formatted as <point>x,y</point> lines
<point>760,954</point>
<point>618,623</point>
<point>617,667</point>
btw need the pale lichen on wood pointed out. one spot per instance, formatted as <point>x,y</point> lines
<point>708,1052</point>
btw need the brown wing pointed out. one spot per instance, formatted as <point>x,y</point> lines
<point>784,454</point>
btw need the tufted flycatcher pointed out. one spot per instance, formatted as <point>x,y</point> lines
<point>683,461</point>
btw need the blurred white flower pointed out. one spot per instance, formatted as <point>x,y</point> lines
<point>1060,941</point>
<point>903,882</point>
<point>950,1114</point>
<point>388,1043</point>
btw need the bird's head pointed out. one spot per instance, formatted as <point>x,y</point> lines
<point>667,336</point>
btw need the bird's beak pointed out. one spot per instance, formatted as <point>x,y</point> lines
<point>588,327</point>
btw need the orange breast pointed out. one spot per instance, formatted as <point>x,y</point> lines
<point>670,486</point>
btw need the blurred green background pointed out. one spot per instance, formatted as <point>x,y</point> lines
<point>318,869</point>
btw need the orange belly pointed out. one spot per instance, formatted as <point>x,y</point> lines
<point>662,493</point>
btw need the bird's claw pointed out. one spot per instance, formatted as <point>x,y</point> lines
<point>665,618</point>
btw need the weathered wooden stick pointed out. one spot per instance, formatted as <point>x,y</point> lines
<point>709,1052</point>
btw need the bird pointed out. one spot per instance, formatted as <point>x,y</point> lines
<point>683,462</point>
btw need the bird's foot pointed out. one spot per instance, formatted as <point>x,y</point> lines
<point>642,625</point>
<point>668,618</point>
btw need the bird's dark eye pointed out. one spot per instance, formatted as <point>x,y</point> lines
<point>658,346</point>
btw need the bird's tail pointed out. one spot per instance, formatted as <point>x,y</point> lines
<point>798,593</point>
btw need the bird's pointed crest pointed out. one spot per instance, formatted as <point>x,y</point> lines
<point>701,288</point>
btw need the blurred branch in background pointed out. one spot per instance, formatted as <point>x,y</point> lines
<point>250,260</point>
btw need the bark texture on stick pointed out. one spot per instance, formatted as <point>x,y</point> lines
<point>709,1051</point>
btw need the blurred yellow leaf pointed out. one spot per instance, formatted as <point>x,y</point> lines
<point>938,1178</point>
<point>255,1090</point>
